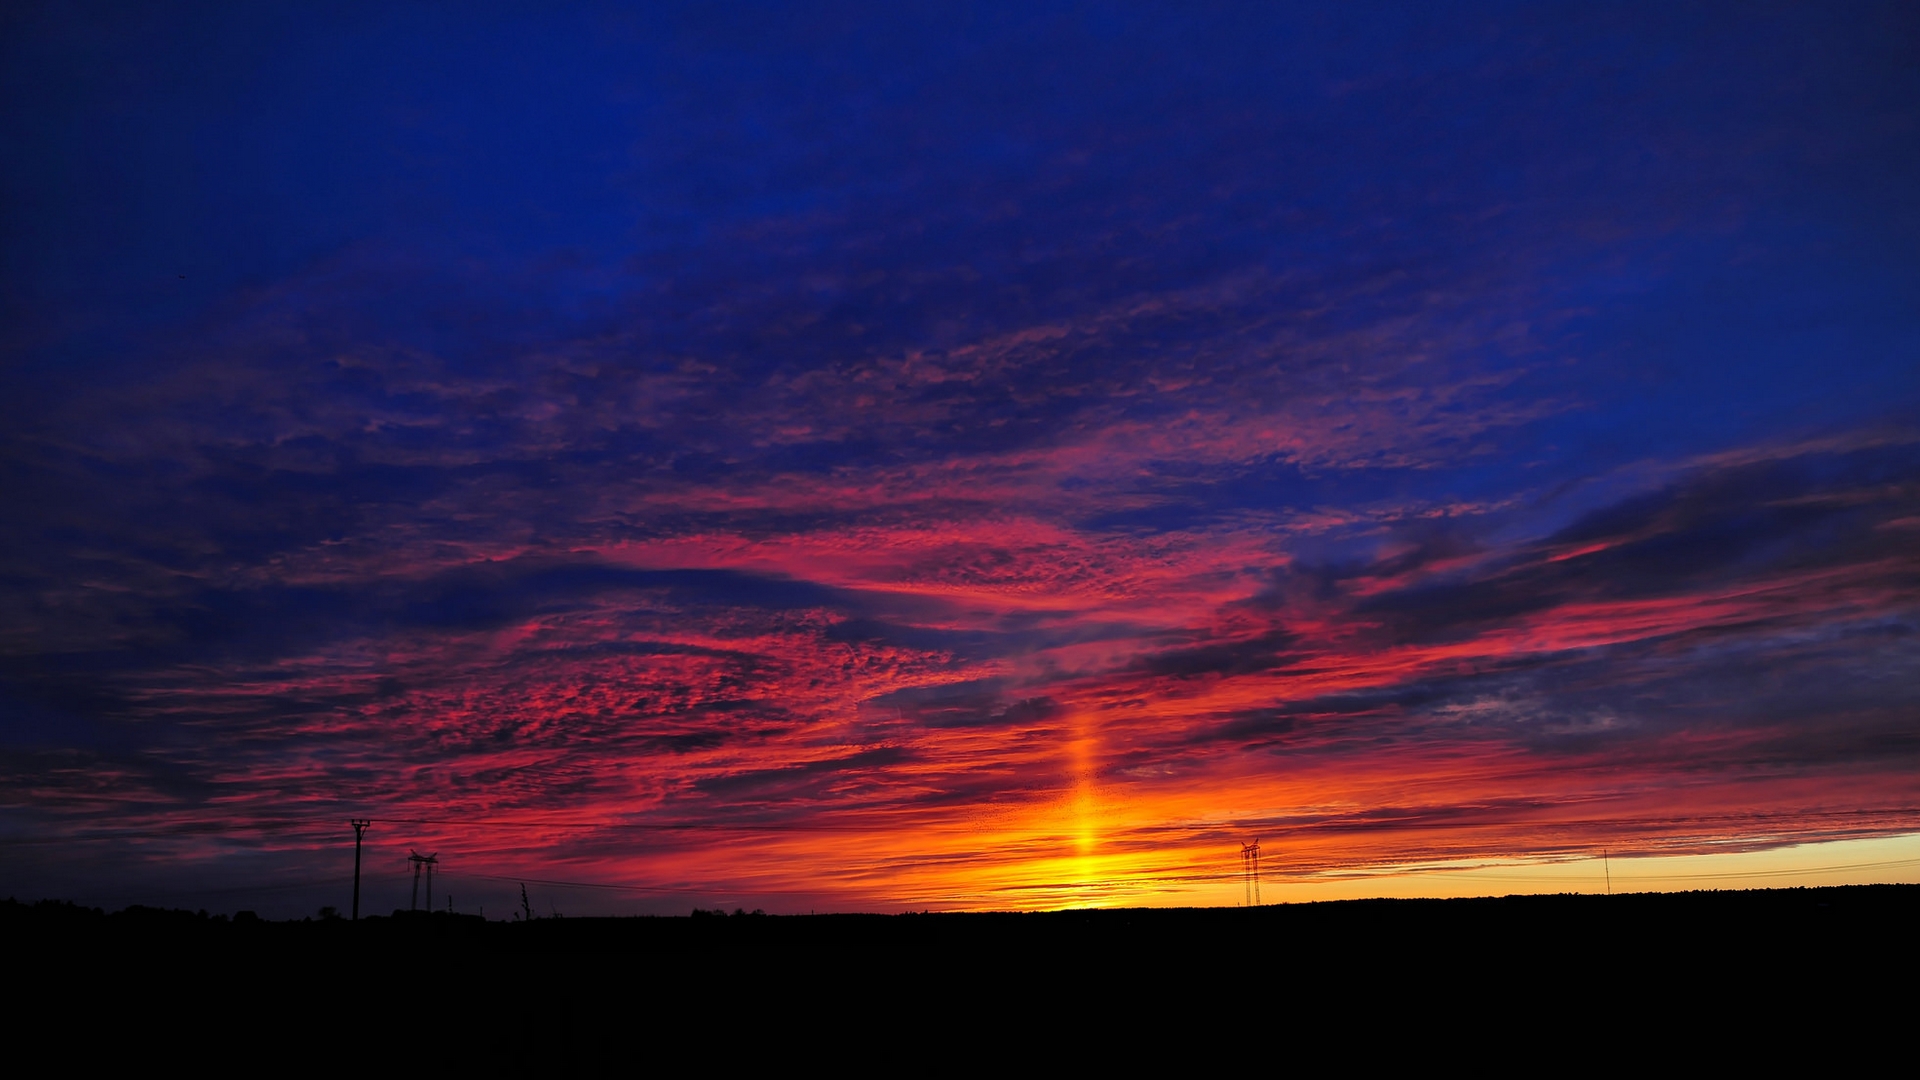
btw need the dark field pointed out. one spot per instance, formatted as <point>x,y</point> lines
<point>1709,976</point>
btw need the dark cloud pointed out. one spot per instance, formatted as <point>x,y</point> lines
<point>795,783</point>
<point>1705,531</point>
<point>1244,656</point>
<point>973,703</point>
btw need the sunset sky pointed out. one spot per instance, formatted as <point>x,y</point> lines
<point>811,457</point>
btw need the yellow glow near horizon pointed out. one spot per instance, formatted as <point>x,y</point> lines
<point>1876,860</point>
<point>1140,879</point>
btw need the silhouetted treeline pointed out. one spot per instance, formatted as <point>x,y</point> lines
<point>1493,922</point>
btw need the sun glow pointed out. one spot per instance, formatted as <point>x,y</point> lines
<point>1085,810</point>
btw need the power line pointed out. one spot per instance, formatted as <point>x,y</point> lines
<point>1249,870</point>
<point>682,889</point>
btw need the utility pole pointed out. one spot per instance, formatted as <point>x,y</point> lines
<point>1250,863</point>
<point>359,830</point>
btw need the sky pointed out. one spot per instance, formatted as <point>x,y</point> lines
<point>831,457</point>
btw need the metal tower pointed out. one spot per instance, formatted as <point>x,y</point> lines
<point>429,862</point>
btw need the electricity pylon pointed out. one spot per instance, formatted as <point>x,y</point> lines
<point>429,861</point>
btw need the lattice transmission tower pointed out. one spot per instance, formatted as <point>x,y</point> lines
<point>427,862</point>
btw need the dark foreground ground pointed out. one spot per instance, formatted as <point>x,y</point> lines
<point>1820,977</point>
